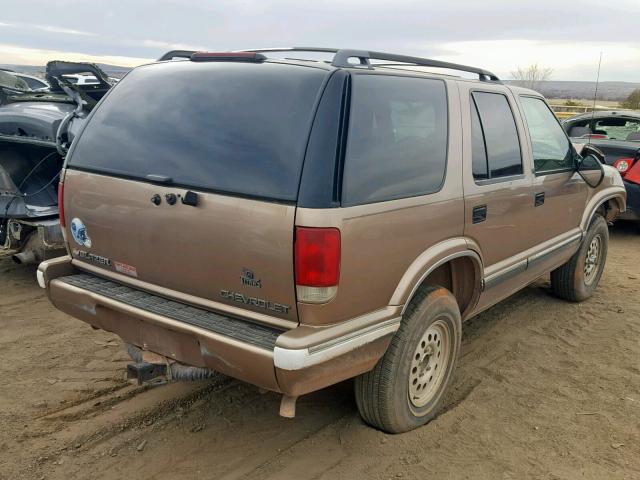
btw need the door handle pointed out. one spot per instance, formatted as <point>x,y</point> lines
<point>539,199</point>
<point>479,214</point>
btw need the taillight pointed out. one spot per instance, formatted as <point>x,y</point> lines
<point>61,204</point>
<point>623,165</point>
<point>317,263</point>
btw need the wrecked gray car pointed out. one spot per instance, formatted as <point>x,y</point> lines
<point>36,130</point>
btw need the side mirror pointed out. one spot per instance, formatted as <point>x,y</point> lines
<point>591,171</point>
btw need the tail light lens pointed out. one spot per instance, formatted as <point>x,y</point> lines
<point>623,165</point>
<point>633,173</point>
<point>63,223</point>
<point>317,264</point>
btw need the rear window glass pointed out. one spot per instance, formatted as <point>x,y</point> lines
<point>33,83</point>
<point>618,128</point>
<point>397,141</point>
<point>231,127</point>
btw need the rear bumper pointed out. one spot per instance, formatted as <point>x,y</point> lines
<point>293,362</point>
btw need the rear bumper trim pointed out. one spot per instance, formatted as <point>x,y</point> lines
<point>298,359</point>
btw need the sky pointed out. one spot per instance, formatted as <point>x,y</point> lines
<point>499,36</point>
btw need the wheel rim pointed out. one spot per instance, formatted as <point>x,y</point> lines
<point>429,363</point>
<point>592,260</point>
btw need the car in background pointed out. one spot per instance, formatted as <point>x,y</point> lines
<point>33,83</point>
<point>36,129</point>
<point>78,79</point>
<point>10,83</point>
<point>617,135</point>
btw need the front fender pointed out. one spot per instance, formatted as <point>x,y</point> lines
<point>611,188</point>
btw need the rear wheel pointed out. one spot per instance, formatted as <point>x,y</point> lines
<point>406,387</point>
<point>577,279</point>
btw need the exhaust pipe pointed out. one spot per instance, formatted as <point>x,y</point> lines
<point>23,258</point>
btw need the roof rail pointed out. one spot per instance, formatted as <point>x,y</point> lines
<point>342,56</point>
<point>170,55</point>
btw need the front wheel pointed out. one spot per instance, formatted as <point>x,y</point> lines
<point>577,279</point>
<point>406,387</point>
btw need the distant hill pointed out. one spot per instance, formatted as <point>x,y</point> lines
<point>111,70</point>
<point>611,91</point>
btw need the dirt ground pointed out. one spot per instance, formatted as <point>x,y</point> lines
<point>545,389</point>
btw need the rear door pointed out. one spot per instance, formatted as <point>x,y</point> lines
<point>185,182</point>
<point>497,179</point>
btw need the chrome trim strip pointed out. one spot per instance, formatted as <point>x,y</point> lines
<point>548,251</point>
<point>522,265</point>
<point>40,277</point>
<point>290,359</point>
<point>497,277</point>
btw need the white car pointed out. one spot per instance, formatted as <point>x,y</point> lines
<point>79,79</point>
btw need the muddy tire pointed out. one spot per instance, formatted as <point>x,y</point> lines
<point>577,279</point>
<point>406,387</point>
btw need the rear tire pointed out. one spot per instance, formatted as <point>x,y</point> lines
<point>405,389</point>
<point>577,279</point>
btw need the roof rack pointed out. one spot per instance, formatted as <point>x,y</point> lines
<point>342,57</point>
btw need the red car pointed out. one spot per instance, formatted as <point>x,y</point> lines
<point>617,135</point>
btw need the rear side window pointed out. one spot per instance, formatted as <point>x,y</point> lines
<point>238,128</point>
<point>551,147</point>
<point>492,120</point>
<point>397,140</point>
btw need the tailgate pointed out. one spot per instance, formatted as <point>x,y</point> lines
<point>232,134</point>
<point>225,249</point>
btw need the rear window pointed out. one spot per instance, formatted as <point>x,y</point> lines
<point>397,142</point>
<point>231,127</point>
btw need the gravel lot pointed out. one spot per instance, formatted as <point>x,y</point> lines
<point>545,389</point>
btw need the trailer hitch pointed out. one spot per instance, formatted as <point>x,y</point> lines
<point>145,372</point>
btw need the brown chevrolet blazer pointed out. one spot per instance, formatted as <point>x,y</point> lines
<point>295,223</point>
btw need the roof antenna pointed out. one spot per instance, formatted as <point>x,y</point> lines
<point>595,96</point>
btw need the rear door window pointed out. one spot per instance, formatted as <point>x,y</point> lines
<point>238,128</point>
<point>492,119</point>
<point>551,147</point>
<point>397,140</point>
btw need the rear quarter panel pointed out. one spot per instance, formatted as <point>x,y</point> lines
<point>381,241</point>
